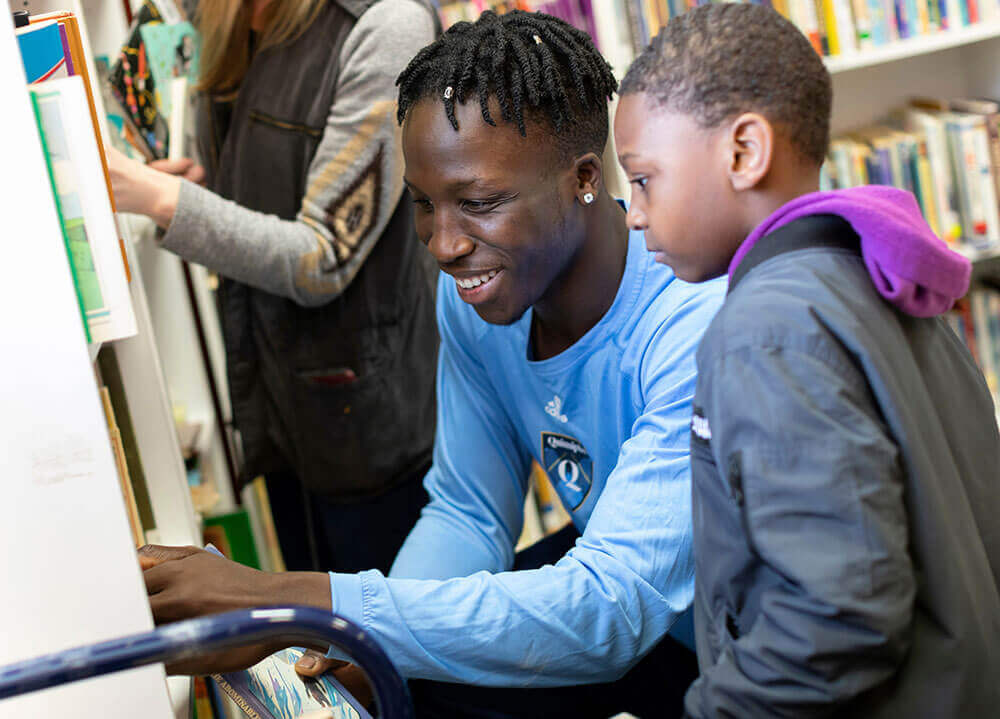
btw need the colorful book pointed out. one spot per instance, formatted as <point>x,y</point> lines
<point>43,52</point>
<point>172,51</point>
<point>272,689</point>
<point>134,87</point>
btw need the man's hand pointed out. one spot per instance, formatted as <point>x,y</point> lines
<point>313,664</point>
<point>187,582</point>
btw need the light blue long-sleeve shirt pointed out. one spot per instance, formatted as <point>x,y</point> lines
<point>608,419</point>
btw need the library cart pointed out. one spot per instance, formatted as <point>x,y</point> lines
<point>187,639</point>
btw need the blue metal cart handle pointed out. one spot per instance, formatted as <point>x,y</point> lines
<point>191,638</point>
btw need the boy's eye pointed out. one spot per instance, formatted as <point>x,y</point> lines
<point>640,182</point>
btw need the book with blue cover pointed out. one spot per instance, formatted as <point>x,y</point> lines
<point>43,52</point>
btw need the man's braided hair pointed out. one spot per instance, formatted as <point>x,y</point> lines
<point>538,67</point>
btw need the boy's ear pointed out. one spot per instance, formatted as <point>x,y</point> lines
<point>751,150</point>
<point>589,176</point>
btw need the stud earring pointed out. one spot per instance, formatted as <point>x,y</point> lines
<point>588,198</point>
<point>449,92</point>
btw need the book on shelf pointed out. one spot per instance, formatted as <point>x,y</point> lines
<point>125,482</point>
<point>84,206</point>
<point>172,53</point>
<point>265,534</point>
<point>947,158</point>
<point>976,321</point>
<point>77,63</point>
<point>622,28</point>
<point>44,51</point>
<point>109,374</point>
<point>134,88</point>
<point>271,689</point>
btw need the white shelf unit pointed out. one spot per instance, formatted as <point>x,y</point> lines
<point>161,365</point>
<point>912,47</point>
<point>171,318</point>
<point>70,572</point>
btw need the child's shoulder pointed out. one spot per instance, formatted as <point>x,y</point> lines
<point>800,300</point>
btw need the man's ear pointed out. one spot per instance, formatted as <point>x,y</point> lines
<point>750,149</point>
<point>589,172</point>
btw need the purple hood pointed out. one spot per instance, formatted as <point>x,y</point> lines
<point>909,265</point>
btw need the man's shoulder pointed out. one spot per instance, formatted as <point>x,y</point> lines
<point>668,305</point>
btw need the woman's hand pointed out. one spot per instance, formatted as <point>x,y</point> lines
<point>185,167</point>
<point>142,189</point>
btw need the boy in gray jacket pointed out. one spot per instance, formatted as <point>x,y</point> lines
<point>844,447</point>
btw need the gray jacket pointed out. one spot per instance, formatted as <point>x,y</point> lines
<point>846,498</point>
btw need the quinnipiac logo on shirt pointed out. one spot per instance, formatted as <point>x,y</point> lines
<point>569,467</point>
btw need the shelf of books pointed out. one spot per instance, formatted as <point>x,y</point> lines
<point>141,317</point>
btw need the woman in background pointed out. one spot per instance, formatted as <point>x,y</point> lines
<point>326,299</point>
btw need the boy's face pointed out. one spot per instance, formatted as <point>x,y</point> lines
<point>491,206</point>
<point>681,195</point>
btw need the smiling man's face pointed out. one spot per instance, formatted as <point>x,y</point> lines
<point>491,206</point>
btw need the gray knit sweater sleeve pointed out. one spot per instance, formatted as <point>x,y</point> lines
<point>313,258</point>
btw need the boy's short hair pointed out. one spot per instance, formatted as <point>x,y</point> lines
<point>717,61</point>
<point>538,67</point>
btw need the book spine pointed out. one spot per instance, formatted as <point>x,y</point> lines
<point>236,697</point>
<point>845,26</point>
<point>918,10</point>
<point>810,24</point>
<point>943,9</point>
<point>832,33</point>
<point>972,11</point>
<point>964,165</point>
<point>862,24</point>
<point>926,184</point>
<point>933,15</point>
<point>902,21</point>
<point>984,178</point>
<point>879,27</point>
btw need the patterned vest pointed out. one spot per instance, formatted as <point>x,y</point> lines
<point>289,367</point>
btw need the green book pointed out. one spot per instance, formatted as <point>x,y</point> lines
<point>53,138</point>
<point>237,543</point>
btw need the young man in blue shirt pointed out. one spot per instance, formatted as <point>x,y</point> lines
<point>563,342</point>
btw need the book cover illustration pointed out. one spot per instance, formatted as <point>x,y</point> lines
<point>172,51</point>
<point>134,86</point>
<point>43,52</point>
<point>68,204</point>
<point>272,689</point>
<point>84,205</point>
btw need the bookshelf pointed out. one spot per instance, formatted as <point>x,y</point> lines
<point>182,369</point>
<point>69,568</point>
<point>912,47</point>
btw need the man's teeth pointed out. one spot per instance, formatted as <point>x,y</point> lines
<point>468,284</point>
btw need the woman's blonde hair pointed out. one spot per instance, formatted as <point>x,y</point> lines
<point>225,37</point>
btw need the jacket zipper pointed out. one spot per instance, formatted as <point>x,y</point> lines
<point>266,119</point>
